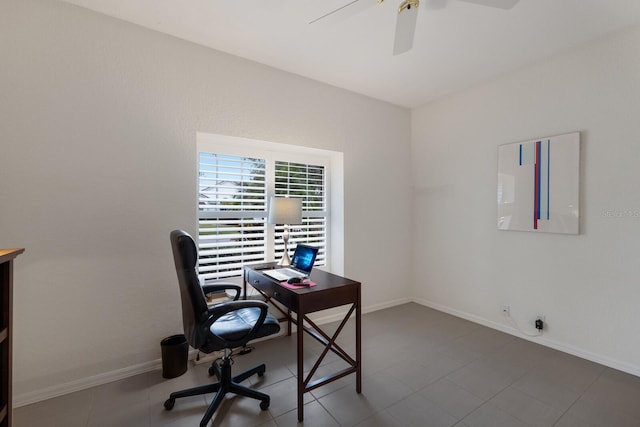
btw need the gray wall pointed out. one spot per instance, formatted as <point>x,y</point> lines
<point>98,122</point>
<point>585,285</point>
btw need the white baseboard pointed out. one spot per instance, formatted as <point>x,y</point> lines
<point>118,374</point>
<point>83,383</point>
<point>542,340</point>
<point>28,398</point>
<point>369,309</point>
<point>387,304</point>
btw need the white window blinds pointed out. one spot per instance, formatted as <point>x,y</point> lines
<point>232,210</point>
<point>307,182</point>
<point>231,214</point>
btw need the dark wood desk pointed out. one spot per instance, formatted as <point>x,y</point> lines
<point>6,336</point>
<point>331,291</point>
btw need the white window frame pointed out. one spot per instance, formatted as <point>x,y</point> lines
<point>332,162</point>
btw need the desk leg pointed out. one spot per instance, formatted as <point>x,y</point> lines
<point>300,356</point>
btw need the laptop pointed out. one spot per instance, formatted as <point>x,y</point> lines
<point>301,264</point>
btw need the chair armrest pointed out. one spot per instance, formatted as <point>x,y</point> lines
<point>217,311</point>
<point>217,287</point>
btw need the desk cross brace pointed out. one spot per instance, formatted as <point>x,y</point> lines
<point>329,344</point>
<point>294,306</point>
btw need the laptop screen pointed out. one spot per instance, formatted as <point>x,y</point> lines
<point>304,257</point>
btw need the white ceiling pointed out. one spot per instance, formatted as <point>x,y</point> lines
<point>457,44</point>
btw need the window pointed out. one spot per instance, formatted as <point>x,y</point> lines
<point>231,213</point>
<point>306,182</point>
<point>234,184</point>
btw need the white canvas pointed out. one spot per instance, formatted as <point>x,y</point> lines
<point>538,185</point>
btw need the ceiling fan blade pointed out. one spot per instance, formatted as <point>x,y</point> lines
<point>405,30</point>
<point>348,10</point>
<point>501,4</point>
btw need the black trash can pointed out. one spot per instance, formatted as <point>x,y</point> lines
<point>175,351</point>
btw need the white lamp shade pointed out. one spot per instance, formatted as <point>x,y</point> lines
<point>285,210</point>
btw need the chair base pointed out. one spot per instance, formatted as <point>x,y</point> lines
<point>226,384</point>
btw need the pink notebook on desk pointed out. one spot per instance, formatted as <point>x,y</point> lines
<point>294,286</point>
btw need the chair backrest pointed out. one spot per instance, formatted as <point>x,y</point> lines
<point>194,304</point>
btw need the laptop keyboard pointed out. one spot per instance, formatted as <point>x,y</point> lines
<point>283,274</point>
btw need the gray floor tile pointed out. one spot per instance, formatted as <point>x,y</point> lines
<point>418,411</point>
<point>449,329</point>
<point>481,379</point>
<point>489,415</point>
<point>452,398</point>
<point>570,419</point>
<point>526,408</point>
<point>128,399</point>
<point>573,372</point>
<point>70,410</point>
<point>183,421</point>
<point>522,354</point>
<point>439,370</point>
<point>418,371</point>
<point>335,385</point>
<point>284,396</point>
<point>272,375</point>
<point>240,411</point>
<point>483,341</point>
<point>314,416</point>
<point>348,407</point>
<point>616,391</point>
<point>507,370</point>
<point>188,408</point>
<point>382,390</point>
<point>135,414</point>
<point>160,388</point>
<point>593,414</point>
<point>545,389</point>
<point>380,419</point>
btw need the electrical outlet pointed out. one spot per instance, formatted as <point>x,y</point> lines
<point>539,322</point>
<point>506,310</point>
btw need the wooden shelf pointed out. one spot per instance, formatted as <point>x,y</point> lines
<point>6,338</point>
<point>9,254</point>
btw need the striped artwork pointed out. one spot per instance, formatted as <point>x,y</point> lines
<point>538,185</point>
<point>538,153</point>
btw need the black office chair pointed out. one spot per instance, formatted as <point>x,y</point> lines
<point>223,326</point>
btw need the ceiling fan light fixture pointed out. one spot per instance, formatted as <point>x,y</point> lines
<point>407,16</point>
<point>407,5</point>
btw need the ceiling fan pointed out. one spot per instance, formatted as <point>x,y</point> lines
<point>407,16</point>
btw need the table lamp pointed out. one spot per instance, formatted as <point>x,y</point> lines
<point>287,211</point>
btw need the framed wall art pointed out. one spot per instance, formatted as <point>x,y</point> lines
<point>538,185</point>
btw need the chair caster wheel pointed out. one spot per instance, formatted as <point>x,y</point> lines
<point>264,405</point>
<point>212,371</point>
<point>168,404</point>
<point>261,372</point>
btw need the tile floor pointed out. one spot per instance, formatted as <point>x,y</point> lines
<point>421,368</point>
